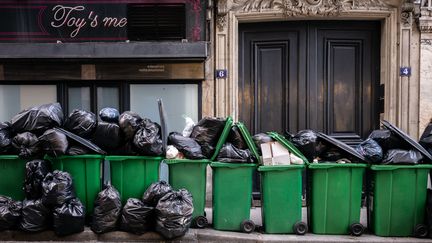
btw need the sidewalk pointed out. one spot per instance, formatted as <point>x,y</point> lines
<point>204,235</point>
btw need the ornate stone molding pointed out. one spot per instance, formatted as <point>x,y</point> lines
<point>425,21</point>
<point>426,42</point>
<point>294,8</point>
<point>407,12</point>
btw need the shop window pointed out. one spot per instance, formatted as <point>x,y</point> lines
<point>92,98</point>
<point>15,98</point>
<point>156,22</point>
<point>178,100</point>
<point>79,98</point>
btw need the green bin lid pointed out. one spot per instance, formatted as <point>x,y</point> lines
<point>2,157</point>
<point>395,167</point>
<point>179,161</point>
<point>119,157</point>
<point>279,167</point>
<point>335,165</point>
<point>288,145</point>
<point>248,139</point>
<point>231,165</point>
<point>223,137</point>
<point>81,156</point>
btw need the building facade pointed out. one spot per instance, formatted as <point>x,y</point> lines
<point>337,66</point>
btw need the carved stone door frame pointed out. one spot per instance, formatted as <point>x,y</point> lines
<point>232,12</point>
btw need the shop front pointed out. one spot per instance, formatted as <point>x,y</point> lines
<point>95,54</point>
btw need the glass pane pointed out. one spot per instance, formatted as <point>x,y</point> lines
<point>108,97</point>
<point>178,100</point>
<point>15,98</point>
<point>79,98</point>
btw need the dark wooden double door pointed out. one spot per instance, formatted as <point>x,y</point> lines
<point>321,75</point>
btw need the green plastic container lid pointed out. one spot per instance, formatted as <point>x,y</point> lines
<point>335,165</point>
<point>119,157</point>
<point>231,165</point>
<point>288,145</point>
<point>8,157</point>
<point>249,141</point>
<point>81,156</point>
<point>395,167</point>
<point>179,161</point>
<point>223,137</point>
<point>280,167</point>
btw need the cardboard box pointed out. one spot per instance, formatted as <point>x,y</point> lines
<point>275,154</point>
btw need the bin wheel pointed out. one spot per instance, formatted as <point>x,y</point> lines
<point>247,226</point>
<point>420,231</point>
<point>300,228</point>
<point>200,222</point>
<point>356,229</point>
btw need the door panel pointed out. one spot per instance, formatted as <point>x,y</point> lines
<point>272,77</point>
<point>346,67</point>
<point>318,75</point>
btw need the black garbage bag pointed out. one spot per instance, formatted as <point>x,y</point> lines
<point>174,214</point>
<point>27,145</point>
<point>107,210</point>
<point>57,188</point>
<point>148,140</point>
<point>426,138</point>
<point>69,218</point>
<point>387,140</point>
<point>108,136</point>
<point>155,192</point>
<point>35,216</point>
<point>207,133</point>
<point>261,138</point>
<point>126,149</point>
<point>5,137</point>
<point>10,213</point>
<point>129,123</point>
<point>77,150</point>
<point>236,138</point>
<point>371,150</point>
<point>81,122</point>
<point>332,155</point>
<point>307,141</point>
<point>402,157</point>
<point>231,154</point>
<point>54,143</point>
<point>109,114</point>
<point>188,146</point>
<point>137,217</point>
<point>36,170</point>
<point>38,119</point>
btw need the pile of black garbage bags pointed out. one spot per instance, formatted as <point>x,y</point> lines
<point>161,209</point>
<point>383,147</point>
<point>32,133</point>
<point>199,142</point>
<point>50,203</point>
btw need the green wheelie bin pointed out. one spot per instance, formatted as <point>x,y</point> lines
<point>232,191</point>
<point>132,175</point>
<point>397,200</point>
<point>12,170</point>
<point>281,194</point>
<point>192,174</point>
<point>335,192</point>
<point>86,175</point>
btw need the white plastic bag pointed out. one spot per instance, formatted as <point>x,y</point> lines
<point>171,152</point>
<point>295,160</point>
<point>189,126</point>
